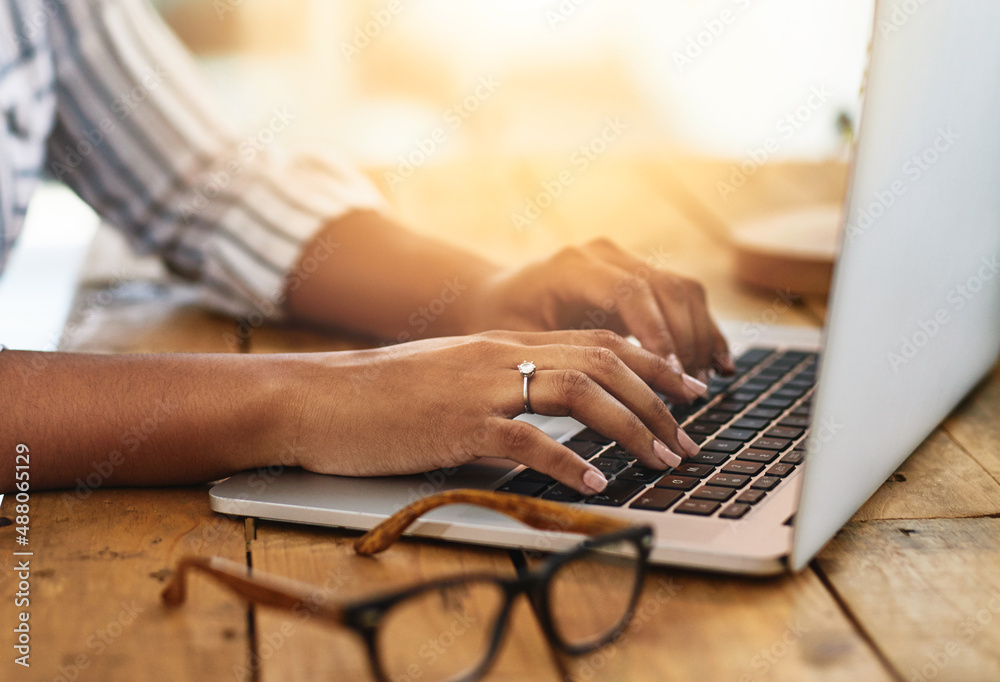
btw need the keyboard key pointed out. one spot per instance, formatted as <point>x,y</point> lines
<point>797,355</point>
<point>697,438</point>
<point>534,477</point>
<point>697,470</point>
<point>800,411</point>
<point>707,492</point>
<point>741,397</point>
<point>584,448</point>
<point>753,356</point>
<point>609,465</point>
<point>562,493</point>
<point>770,375</point>
<point>778,444</point>
<point>709,458</point>
<point>682,412</point>
<point>729,480</point>
<point>748,423</point>
<point>657,499</point>
<point>794,422</point>
<point>732,405</point>
<point>755,386</point>
<point>777,403</point>
<point>716,416</point>
<point>639,474</point>
<point>743,468</point>
<point>781,469</point>
<point>616,494</point>
<point>702,428</point>
<point>784,432</point>
<point>793,457</point>
<point>617,452</point>
<point>791,392</point>
<point>735,511</point>
<point>763,413</point>
<point>765,456</point>
<point>765,482</point>
<point>728,446</point>
<point>677,482</point>
<point>751,496</point>
<point>697,507</point>
<point>526,488</point>
<point>741,435</point>
<point>593,437</point>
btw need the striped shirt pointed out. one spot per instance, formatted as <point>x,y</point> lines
<point>102,96</point>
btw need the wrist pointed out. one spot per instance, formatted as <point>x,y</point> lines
<point>273,410</point>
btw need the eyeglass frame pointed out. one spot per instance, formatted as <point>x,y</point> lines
<point>364,616</point>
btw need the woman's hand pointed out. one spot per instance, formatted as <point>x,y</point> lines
<point>444,402</point>
<point>601,286</point>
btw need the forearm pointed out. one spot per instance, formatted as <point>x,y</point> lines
<point>139,419</point>
<point>370,275</point>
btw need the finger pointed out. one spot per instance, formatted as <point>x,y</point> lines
<point>526,444</point>
<point>672,296</point>
<point>689,296</point>
<point>626,387</point>
<point>573,393</point>
<point>709,339</point>
<point>722,359</point>
<point>634,301</point>
<point>664,375</point>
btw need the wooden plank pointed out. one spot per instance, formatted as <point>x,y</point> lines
<point>324,557</point>
<point>99,565</point>
<point>689,627</point>
<point>926,591</point>
<point>975,427</point>
<point>939,480</point>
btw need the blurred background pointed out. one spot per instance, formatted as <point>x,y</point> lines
<point>691,77</point>
<point>513,128</point>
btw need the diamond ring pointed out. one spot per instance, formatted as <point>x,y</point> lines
<point>527,370</point>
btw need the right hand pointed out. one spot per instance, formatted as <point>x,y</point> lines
<point>440,403</point>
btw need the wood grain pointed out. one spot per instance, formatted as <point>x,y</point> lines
<point>98,567</point>
<point>691,627</point>
<point>939,480</point>
<point>976,428</point>
<point>926,591</point>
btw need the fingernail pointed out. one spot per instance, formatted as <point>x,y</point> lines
<point>695,388</point>
<point>675,363</point>
<point>594,479</point>
<point>667,457</point>
<point>690,447</point>
<point>702,376</point>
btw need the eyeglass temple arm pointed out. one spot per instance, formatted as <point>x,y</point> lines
<point>540,514</point>
<point>267,590</point>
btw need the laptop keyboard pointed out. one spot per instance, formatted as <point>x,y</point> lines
<point>751,428</point>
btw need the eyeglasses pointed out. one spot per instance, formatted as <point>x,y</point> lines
<point>451,629</point>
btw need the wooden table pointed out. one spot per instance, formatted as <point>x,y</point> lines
<point>909,589</point>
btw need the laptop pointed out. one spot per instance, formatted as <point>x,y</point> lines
<point>811,426</point>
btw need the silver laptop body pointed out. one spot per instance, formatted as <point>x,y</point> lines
<point>913,325</point>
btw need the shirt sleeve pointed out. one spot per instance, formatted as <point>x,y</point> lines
<point>138,138</point>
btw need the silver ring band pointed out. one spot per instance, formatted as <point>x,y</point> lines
<point>527,370</point>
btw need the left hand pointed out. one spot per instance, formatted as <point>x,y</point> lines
<point>599,285</point>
